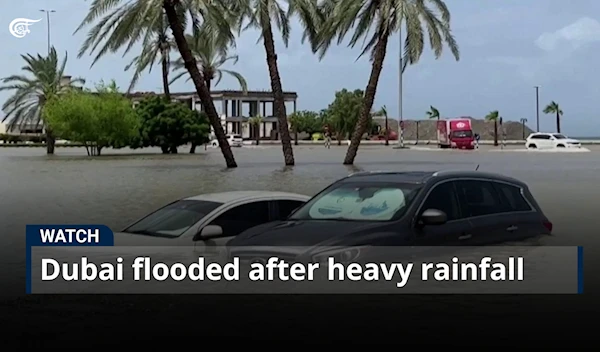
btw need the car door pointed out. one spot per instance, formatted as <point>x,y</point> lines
<point>546,141</point>
<point>527,221</point>
<point>492,220</point>
<point>456,231</point>
<point>285,207</point>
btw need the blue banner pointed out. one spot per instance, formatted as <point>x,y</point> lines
<point>64,236</point>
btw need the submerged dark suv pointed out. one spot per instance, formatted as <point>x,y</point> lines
<point>446,208</point>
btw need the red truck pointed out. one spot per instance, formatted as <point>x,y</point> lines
<point>455,133</point>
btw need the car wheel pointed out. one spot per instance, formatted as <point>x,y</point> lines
<point>560,146</point>
<point>532,146</point>
<point>215,144</point>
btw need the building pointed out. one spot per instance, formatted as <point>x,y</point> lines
<point>236,107</point>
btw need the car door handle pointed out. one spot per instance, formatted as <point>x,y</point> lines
<point>464,237</point>
<point>512,228</point>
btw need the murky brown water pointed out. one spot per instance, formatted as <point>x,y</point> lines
<point>117,189</point>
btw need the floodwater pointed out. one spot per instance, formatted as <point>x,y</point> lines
<point>116,189</point>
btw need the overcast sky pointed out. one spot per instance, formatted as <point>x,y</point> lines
<point>507,47</point>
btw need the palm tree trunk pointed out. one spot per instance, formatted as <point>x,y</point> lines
<point>295,136</point>
<point>165,77</point>
<point>495,133</point>
<point>201,88</point>
<point>557,122</point>
<point>279,103</point>
<point>370,91</point>
<point>194,145</point>
<point>50,141</point>
<point>257,133</point>
<point>387,135</point>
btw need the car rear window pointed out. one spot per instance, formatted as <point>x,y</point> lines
<point>513,196</point>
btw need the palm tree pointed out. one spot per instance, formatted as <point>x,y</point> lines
<point>554,108</point>
<point>156,43</point>
<point>383,112</point>
<point>494,116</point>
<point>122,24</point>
<point>259,14</point>
<point>255,123</point>
<point>211,53</point>
<point>433,113</point>
<point>42,82</point>
<point>374,21</point>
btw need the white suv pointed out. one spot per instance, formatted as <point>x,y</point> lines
<point>235,140</point>
<point>541,140</point>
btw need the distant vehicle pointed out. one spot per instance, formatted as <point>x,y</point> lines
<point>455,133</point>
<point>541,140</point>
<point>235,140</point>
<point>446,208</point>
<point>209,218</point>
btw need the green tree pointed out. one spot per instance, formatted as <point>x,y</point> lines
<point>255,123</point>
<point>42,80</point>
<point>554,108</point>
<point>169,125</point>
<point>259,14</point>
<point>98,120</point>
<point>211,52</point>
<point>344,112</point>
<point>305,121</point>
<point>433,113</point>
<point>121,24</point>
<point>494,116</point>
<point>374,21</point>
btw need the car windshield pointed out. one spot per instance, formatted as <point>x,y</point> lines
<point>559,136</point>
<point>462,134</point>
<point>359,202</point>
<point>174,219</point>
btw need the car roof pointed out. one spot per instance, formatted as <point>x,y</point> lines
<point>420,177</point>
<point>234,196</point>
<point>538,133</point>
<point>390,176</point>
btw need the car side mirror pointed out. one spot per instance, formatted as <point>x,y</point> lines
<point>208,232</point>
<point>433,217</point>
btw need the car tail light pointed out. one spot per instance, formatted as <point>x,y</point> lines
<point>548,225</point>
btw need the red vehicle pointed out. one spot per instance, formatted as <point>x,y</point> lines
<point>455,133</point>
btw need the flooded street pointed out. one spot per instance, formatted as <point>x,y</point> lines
<point>115,190</point>
<point>118,188</point>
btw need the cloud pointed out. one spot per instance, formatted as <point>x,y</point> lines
<point>581,32</point>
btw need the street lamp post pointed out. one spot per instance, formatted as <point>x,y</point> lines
<point>537,107</point>
<point>401,120</point>
<point>48,12</point>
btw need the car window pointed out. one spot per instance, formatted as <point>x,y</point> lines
<point>243,217</point>
<point>480,198</point>
<point>443,197</point>
<point>559,136</point>
<point>359,201</point>
<point>286,207</point>
<point>174,219</point>
<point>513,196</point>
